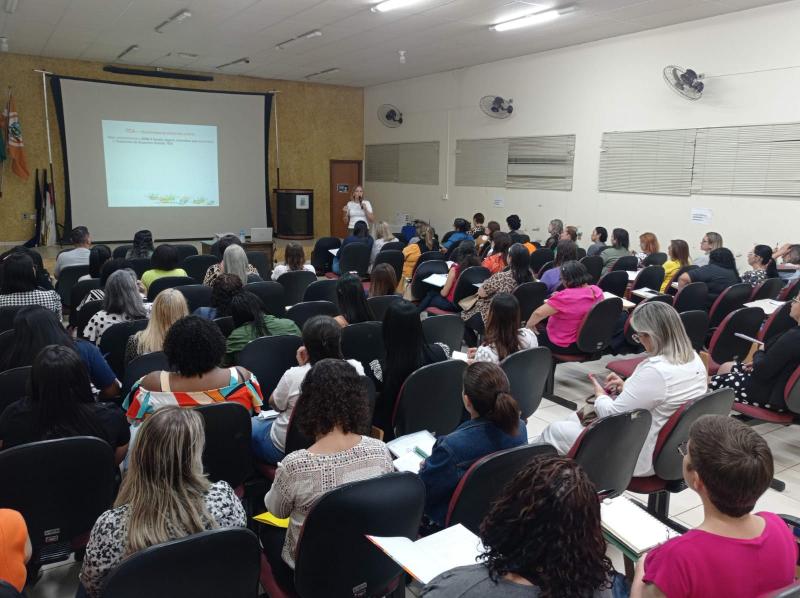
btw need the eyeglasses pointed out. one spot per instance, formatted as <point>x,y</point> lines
<point>796,299</point>
<point>636,339</point>
<point>683,448</point>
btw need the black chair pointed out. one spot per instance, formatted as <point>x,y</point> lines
<point>196,266</point>
<point>140,265</point>
<point>7,315</point>
<point>467,280</point>
<point>225,325</point>
<point>790,291</point>
<point>545,267</point>
<point>68,483</point>
<point>485,479</point>
<point>14,385</point>
<point>197,295</point>
<point>627,263</point>
<point>393,246</point>
<point>321,256</point>
<point>446,329</point>
<point>650,277</point>
<point>732,298</point>
<point>85,313</point>
<point>609,447</point>
<point>769,289</point>
<point>78,293</point>
<point>269,357</point>
<point>167,282</point>
<point>655,259</point>
<point>581,253</point>
<point>436,256</point>
<point>531,296</point>
<point>185,250</point>
<point>594,265</point>
<point>672,290</point>
<point>114,341</point>
<point>141,366</point>
<point>302,312</point>
<point>692,297</point>
<point>527,373</point>
<point>615,283</point>
<point>321,290</point>
<point>223,562</point>
<point>379,305</point>
<point>725,345</point>
<point>431,399</point>
<point>272,295</point>
<point>6,341</point>
<point>66,280</point>
<point>540,257</point>
<point>294,285</point>
<point>9,591</point>
<point>258,259</point>
<point>121,251</point>
<point>419,288</point>
<point>227,454</point>
<point>392,257</point>
<point>354,257</point>
<point>363,342</point>
<point>791,591</point>
<point>696,324</point>
<point>778,321</point>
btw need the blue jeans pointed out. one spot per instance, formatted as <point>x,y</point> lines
<point>435,299</point>
<point>261,442</point>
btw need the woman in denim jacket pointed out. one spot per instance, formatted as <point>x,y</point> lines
<point>494,426</point>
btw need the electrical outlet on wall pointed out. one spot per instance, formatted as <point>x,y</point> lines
<point>28,215</point>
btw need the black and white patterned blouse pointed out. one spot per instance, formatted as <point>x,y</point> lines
<point>100,322</point>
<point>106,547</point>
<point>754,277</point>
<point>47,299</point>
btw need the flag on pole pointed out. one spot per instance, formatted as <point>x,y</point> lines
<point>37,205</point>
<point>49,228</point>
<point>9,121</point>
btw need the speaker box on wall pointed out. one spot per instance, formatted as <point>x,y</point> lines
<point>295,213</point>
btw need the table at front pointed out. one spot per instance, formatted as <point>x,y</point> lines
<point>265,247</point>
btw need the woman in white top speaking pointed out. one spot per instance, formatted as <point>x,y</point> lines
<point>670,376</point>
<point>357,209</point>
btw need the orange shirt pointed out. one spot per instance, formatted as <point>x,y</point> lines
<point>494,263</point>
<point>529,246</point>
<point>13,538</point>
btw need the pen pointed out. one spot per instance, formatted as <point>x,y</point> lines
<point>420,452</point>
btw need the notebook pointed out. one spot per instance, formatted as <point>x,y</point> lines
<point>461,356</point>
<point>428,557</point>
<point>419,442</point>
<point>632,526</point>
<point>768,305</point>
<point>334,251</point>
<point>644,293</point>
<point>625,303</point>
<point>632,275</point>
<point>437,280</point>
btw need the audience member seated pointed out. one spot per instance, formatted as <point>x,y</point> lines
<point>554,229</point>
<point>382,281</point>
<point>762,264</point>
<point>165,260</point>
<point>518,272</point>
<point>708,243</point>
<point>169,307</point>
<point>648,245</point>
<point>477,229</point>
<point>122,303</point>
<point>733,553</point>
<point>43,280</point>
<point>599,238</point>
<point>360,235</point>
<point>677,258</point>
<point>762,382</point>
<point>461,233</point>
<point>503,336</point>
<point>251,322</point>
<point>565,310</point>
<point>618,249</point>
<point>514,224</point>
<point>671,376</point>
<point>19,285</point>
<point>322,338</point>
<point>718,274</point>
<point>425,241</point>
<point>333,412</point>
<point>566,251</point>
<point>61,405</point>
<point>35,328</point>
<point>352,301</point>
<point>15,549</point>
<point>790,261</point>
<point>406,352</point>
<point>497,260</point>
<point>107,270</point>
<point>494,425</point>
<point>570,234</point>
<point>542,537</point>
<point>234,261</point>
<point>79,256</point>
<point>194,347</point>
<point>295,259</point>
<point>357,210</point>
<point>98,255</point>
<point>484,241</point>
<point>142,245</point>
<point>383,235</point>
<point>163,497</point>
<point>224,288</point>
<point>464,256</point>
<point>215,270</point>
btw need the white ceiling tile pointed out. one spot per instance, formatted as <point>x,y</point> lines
<point>48,11</point>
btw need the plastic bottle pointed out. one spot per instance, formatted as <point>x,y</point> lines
<point>241,236</point>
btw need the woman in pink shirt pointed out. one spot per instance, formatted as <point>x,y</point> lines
<point>566,309</point>
<point>734,553</point>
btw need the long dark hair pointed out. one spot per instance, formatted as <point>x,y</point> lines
<point>679,250</point>
<point>465,255</point>
<point>35,327</point>
<point>502,325</point>
<point>405,345</point>
<point>501,243</point>
<point>383,280</point>
<point>764,253</point>
<point>295,256</point>
<point>246,308</point>
<point>98,255</point>
<point>487,388</point>
<point>322,338</point>
<point>361,230</point>
<point>620,238</point>
<point>142,244</point>
<point>519,263</point>
<point>224,288</point>
<point>566,251</point>
<point>352,302</point>
<point>723,257</point>
<point>18,274</point>
<point>551,502</point>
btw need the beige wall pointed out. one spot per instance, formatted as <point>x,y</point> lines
<point>317,123</point>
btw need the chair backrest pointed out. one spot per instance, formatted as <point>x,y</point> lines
<point>778,321</point>
<point>121,251</point>
<point>300,313</point>
<point>223,562</point>
<point>14,385</point>
<point>485,480</point>
<point>769,289</point>
<point>321,290</point>
<point>363,342</point>
<point>599,325</point>
<point>393,246</point>
<point>677,275</point>
<point>380,304</point>
<point>66,280</point>
<point>545,267</point>
<point>609,448</point>
<point>389,505</point>
<point>791,591</point>
<point>655,259</point>
<point>594,265</point>
<point>667,460</point>
<point>695,322</point>
<point>791,392</point>
<point>79,291</point>
<point>167,282</point>
<point>418,288</point>
<point>447,329</point>
<point>354,257</point>
<point>140,265</point>
<point>113,343</point>
<point>693,296</point>
<point>272,296</point>
<point>227,454</point>
<point>321,256</point>
<point>393,257</point>
<point>731,298</point>
<point>467,281</point>
<point>225,325</point>
<point>269,357</point>
<point>85,314</point>
<point>196,266</point>
<point>527,372</point>
<point>9,591</point>
<point>258,259</point>
<point>651,277</point>
<point>615,283</point>
<point>540,257</point>
<point>581,253</point>
<point>140,367</point>
<point>790,291</point>
<point>724,345</point>
<point>7,315</point>
<point>6,341</point>
<point>184,250</point>
<point>531,296</point>
<point>295,284</point>
<point>431,399</point>
<point>197,295</point>
<point>61,487</point>
<point>626,262</point>
<point>436,256</point>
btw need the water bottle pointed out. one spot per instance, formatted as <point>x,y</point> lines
<point>241,236</point>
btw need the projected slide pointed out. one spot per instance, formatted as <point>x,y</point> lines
<point>160,164</point>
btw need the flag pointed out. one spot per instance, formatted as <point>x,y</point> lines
<point>49,228</point>
<point>9,121</point>
<point>37,205</point>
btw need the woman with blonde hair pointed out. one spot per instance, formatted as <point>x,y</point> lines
<point>383,235</point>
<point>164,496</point>
<point>234,261</point>
<point>426,241</point>
<point>169,307</point>
<point>708,243</point>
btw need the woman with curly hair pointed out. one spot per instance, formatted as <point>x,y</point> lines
<point>224,288</point>
<point>542,538</point>
<point>333,410</point>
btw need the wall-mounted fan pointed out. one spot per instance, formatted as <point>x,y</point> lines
<point>496,107</point>
<point>390,116</point>
<point>685,82</point>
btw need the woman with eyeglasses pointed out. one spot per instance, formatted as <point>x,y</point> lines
<point>762,381</point>
<point>671,375</point>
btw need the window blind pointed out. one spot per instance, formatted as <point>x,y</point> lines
<point>382,163</point>
<point>416,163</point>
<point>481,162</point>
<point>540,162</point>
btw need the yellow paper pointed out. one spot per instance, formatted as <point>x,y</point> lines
<point>270,519</point>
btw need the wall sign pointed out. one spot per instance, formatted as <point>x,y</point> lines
<point>301,202</point>
<point>342,188</point>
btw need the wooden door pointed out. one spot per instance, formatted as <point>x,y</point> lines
<point>345,176</point>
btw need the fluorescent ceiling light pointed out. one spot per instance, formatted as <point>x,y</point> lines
<point>245,60</point>
<point>178,17</point>
<point>126,51</point>
<point>299,38</point>
<point>322,73</point>
<point>392,5</point>
<point>528,20</point>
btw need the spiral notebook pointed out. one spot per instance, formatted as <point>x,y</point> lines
<point>632,526</point>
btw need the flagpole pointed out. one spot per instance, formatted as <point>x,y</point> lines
<point>49,154</point>
<point>275,93</point>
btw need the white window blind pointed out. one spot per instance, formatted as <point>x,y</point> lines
<point>657,162</point>
<point>416,163</point>
<point>541,162</point>
<point>382,163</point>
<point>481,162</point>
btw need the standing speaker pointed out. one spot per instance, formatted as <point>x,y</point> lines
<point>295,213</point>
